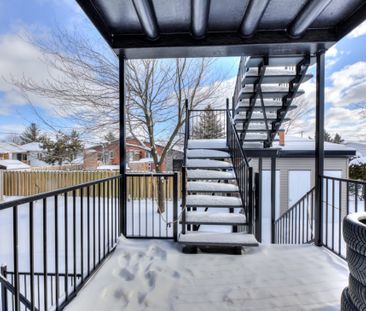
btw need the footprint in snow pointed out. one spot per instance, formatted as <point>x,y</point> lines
<point>119,294</point>
<point>126,275</point>
<point>141,296</point>
<point>150,277</point>
<point>176,275</point>
<point>156,251</point>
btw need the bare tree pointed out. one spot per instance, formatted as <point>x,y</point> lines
<point>83,86</point>
<point>304,107</point>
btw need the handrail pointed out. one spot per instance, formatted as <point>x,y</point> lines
<point>8,286</point>
<point>354,181</point>
<point>288,211</point>
<point>236,136</point>
<point>184,168</point>
<point>43,195</point>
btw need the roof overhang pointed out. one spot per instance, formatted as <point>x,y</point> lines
<point>204,28</point>
<point>279,153</point>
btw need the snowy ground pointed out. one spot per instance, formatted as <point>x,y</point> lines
<point>155,275</point>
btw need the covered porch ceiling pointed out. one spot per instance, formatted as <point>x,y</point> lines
<point>204,28</point>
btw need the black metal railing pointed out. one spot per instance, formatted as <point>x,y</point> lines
<point>184,167</point>
<point>296,225</point>
<point>152,205</point>
<point>244,175</point>
<point>340,197</point>
<point>56,240</point>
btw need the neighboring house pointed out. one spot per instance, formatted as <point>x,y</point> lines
<point>35,154</point>
<point>30,154</point>
<point>138,156</point>
<point>295,168</point>
<point>10,151</point>
<point>13,165</point>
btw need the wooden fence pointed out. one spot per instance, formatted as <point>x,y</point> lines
<point>25,183</point>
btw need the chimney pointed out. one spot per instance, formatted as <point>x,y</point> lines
<point>281,134</point>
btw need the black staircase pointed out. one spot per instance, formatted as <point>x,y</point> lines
<point>264,93</point>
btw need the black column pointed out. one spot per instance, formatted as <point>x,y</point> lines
<point>122,145</point>
<point>273,197</point>
<point>319,147</point>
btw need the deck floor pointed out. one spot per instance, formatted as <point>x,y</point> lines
<point>155,275</point>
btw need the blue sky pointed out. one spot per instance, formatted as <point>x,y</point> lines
<point>345,70</point>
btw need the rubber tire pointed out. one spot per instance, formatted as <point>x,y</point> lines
<point>346,302</point>
<point>357,265</point>
<point>357,292</point>
<point>354,232</point>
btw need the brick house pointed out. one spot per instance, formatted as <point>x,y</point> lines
<point>138,156</point>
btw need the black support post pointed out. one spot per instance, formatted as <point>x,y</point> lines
<point>122,146</point>
<point>319,147</point>
<point>3,290</point>
<point>259,199</point>
<point>273,197</point>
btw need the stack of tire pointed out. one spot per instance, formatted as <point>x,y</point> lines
<point>354,233</point>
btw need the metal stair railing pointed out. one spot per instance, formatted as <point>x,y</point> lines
<point>296,225</point>
<point>243,171</point>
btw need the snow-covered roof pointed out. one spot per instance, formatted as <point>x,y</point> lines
<point>78,160</point>
<point>13,165</point>
<point>358,161</point>
<point>143,160</point>
<point>32,147</point>
<point>298,144</point>
<point>10,148</point>
<point>108,167</point>
<point>359,146</point>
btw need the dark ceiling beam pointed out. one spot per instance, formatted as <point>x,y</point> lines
<point>146,14</point>
<point>223,44</point>
<point>346,26</point>
<point>252,17</point>
<point>200,12</point>
<point>96,18</point>
<point>306,17</point>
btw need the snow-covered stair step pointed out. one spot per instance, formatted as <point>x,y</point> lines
<point>217,239</point>
<point>202,200</point>
<point>200,186</point>
<point>217,143</point>
<point>207,154</point>
<point>210,175</point>
<point>215,164</point>
<point>206,218</point>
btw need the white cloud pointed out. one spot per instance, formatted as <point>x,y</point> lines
<point>347,98</point>
<point>348,86</point>
<point>18,59</point>
<point>359,31</point>
<point>332,52</point>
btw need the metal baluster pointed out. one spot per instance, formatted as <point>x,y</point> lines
<point>45,281</point>
<point>88,228</point>
<point>57,293</point>
<point>31,255</point>
<point>66,246</point>
<point>74,236</point>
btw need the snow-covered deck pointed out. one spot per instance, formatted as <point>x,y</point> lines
<point>155,275</point>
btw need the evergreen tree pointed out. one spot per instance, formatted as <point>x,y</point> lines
<point>63,149</point>
<point>327,137</point>
<point>338,139</point>
<point>31,134</point>
<point>210,126</point>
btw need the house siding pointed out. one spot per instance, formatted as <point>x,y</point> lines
<point>285,165</point>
